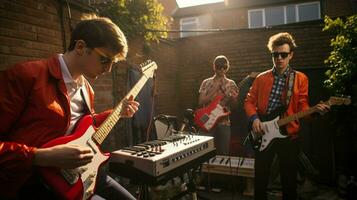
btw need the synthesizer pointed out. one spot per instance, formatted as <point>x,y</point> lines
<point>230,165</point>
<point>159,157</point>
<point>233,166</point>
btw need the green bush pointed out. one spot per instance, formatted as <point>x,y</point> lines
<point>137,18</point>
<point>342,59</point>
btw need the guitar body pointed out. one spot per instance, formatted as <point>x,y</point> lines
<point>271,130</point>
<point>207,117</point>
<point>79,183</point>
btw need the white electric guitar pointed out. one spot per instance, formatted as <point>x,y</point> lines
<point>272,123</point>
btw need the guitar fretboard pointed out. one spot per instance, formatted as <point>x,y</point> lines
<point>113,118</point>
<point>296,116</point>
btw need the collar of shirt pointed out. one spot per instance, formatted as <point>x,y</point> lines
<point>285,74</point>
<point>67,77</point>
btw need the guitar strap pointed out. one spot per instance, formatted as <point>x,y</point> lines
<point>290,87</point>
<point>87,106</point>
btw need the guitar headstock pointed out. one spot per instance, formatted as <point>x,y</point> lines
<point>339,100</point>
<point>148,68</point>
<point>253,74</point>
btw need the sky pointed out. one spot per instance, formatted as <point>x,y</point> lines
<point>188,3</point>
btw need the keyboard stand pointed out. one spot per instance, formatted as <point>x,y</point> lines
<point>191,188</point>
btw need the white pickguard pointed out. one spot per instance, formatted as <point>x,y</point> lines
<point>214,114</point>
<point>88,173</point>
<point>271,131</point>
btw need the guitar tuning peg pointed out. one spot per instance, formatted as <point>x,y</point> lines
<point>142,65</point>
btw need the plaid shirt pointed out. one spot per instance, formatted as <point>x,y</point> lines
<point>277,89</point>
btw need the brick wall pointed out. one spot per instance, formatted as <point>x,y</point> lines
<point>31,30</point>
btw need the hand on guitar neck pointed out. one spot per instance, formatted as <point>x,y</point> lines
<point>322,108</point>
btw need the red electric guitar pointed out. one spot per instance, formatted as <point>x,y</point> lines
<point>79,183</point>
<point>207,117</point>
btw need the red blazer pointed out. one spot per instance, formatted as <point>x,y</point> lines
<point>34,109</point>
<point>257,99</point>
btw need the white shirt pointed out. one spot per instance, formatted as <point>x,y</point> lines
<point>77,103</point>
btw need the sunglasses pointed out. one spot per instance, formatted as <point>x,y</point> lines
<point>282,54</point>
<point>104,59</point>
<point>219,67</point>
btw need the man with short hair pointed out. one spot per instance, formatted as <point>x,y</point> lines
<point>44,99</point>
<point>270,91</point>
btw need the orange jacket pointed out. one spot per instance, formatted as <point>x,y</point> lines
<point>256,102</point>
<point>34,109</point>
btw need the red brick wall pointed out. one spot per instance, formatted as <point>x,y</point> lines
<point>31,30</point>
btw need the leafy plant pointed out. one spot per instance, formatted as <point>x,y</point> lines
<point>342,60</point>
<point>137,18</point>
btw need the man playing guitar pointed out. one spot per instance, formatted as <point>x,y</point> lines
<point>219,85</point>
<point>278,87</point>
<point>43,100</point>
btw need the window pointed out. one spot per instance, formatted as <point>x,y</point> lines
<point>274,16</point>
<point>277,15</point>
<point>308,11</point>
<point>256,18</point>
<point>193,23</point>
<point>290,14</point>
<point>188,24</point>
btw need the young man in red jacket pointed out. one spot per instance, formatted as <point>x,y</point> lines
<point>271,90</point>
<point>43,100</point>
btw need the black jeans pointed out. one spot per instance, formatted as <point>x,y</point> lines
<point>107,188</point>
<point>287,151</point>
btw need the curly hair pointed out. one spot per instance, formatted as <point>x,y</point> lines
<point>281,39</point>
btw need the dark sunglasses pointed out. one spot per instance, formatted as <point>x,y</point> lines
<point>282,54</point>
<point>103,59</point>
<point>219,67</point>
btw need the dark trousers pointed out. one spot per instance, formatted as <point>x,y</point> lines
<point>287,151</point>
<point>107,188</point>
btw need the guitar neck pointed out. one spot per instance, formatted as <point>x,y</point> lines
<point>243,82</point>
<point>296,116</point>
<point>239,85</point>
<point>113,118</point>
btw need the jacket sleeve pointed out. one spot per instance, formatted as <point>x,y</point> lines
<point>14,88</point>
<point>250,103</point>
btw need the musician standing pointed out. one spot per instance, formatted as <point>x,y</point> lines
<point>43,100</point>
<point>210,88</point>
<point>278,87</point>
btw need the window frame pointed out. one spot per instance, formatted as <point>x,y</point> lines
<point>307,3</point>
<point>196,21</point>
<point>263,16</point>
<point>297,17</point>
